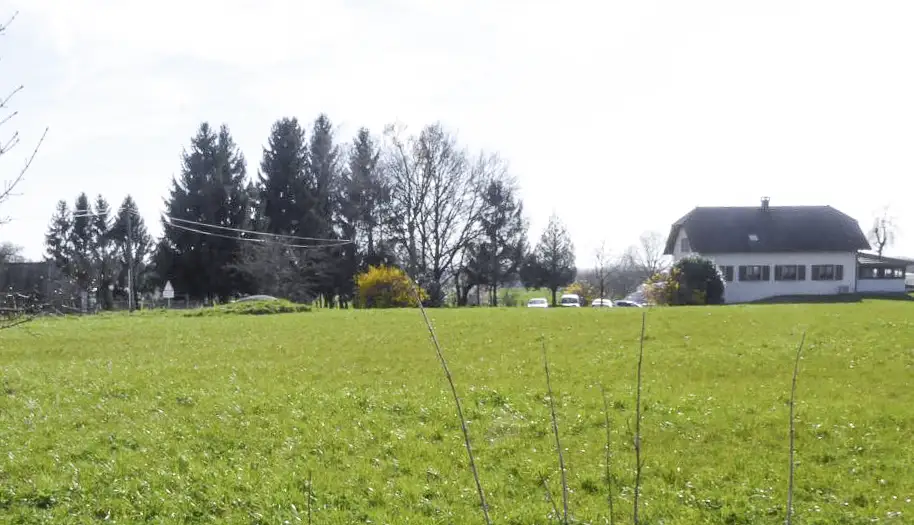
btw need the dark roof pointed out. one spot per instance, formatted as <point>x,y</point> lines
<point>777,228</point>
<point>872,258</point>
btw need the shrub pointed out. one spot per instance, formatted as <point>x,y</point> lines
<point>267,307</point>
<point>693,280</point>
<point>386,287</point>
<point>584,290</point>
<point>509,298</point>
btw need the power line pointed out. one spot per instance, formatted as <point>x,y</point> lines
<point>252,232</point>
<point>259,241</point>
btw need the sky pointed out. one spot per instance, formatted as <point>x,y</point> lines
<point>618,116</point>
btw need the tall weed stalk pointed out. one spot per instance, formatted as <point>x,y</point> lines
<point>793,395</point>
<point>555,430</point>
<point>638,463</point>
<point>463,421</point>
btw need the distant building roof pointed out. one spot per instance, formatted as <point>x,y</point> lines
<point>768,229</point>
<point>872,258</point>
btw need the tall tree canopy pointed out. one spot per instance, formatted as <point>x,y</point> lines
<point>552,263</point>
<point>496,257</point>
<point>211,190</point>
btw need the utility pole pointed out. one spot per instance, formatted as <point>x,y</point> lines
<point>129,214</point>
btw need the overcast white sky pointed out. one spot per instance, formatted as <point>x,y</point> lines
<point>620,116</point>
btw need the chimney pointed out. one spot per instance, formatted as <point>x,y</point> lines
<point>765,201</point>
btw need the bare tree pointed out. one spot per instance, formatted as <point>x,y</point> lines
<point>10,253</point>
<point>648,256</point>
<point>601,269</point>
<point>882,234</point>
<point>437,187</point>
<point>8,143</point>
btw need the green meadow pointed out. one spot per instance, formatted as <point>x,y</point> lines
<point>347,416</point>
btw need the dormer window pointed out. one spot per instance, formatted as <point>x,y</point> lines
<point>684,245</point>
<point>753,237</point>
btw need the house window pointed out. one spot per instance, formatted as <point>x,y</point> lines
<point>872,272</point>
<point>684,245</point>
<point>827,272</point>
<point>727,273</point>
<point>755,273</point>
<point>790,272</point>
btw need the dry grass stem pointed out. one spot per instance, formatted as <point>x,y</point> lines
<point>555,430</point>
<point>793,394</point>
<point>463,422</point>
<point>638,463</point>
<point>609,482</point>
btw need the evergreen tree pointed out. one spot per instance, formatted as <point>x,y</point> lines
<point>323,166</point>
<point>104,258</point>
<point>57,238</point>
<point>364,209</point>
<point>284,201</point>
<point>132,244</point>
<point>283,189</point>
<point>211,190</point>
<point>497,256</point>
<point>80,244</point>
<point>552,263</point>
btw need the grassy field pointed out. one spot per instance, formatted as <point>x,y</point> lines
<point>224,419</point>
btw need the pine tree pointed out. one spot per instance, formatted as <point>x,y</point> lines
<point>284,201</point>
<point>283,190</point>
<point>496,258</point>
<point>211,191</point>
<point>132,244</point>
<point>552,263</point>
<point>81,243</point>
<point>323,165</point>
<point>57,238</point>
<point>364,208</point>
<point>104,259</point>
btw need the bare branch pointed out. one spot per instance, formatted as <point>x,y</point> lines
<point>8,187</point>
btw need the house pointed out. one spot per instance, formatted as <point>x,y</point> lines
<point>768,251</point>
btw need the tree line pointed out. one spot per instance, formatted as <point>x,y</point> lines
<point>317,212</point>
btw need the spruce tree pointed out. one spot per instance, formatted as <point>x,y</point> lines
<point>57,238</point>
<point>283,190</point>
<point>552,263</point>
<point>133,245</point>
<point>323,263</point>
<point>497,256</point>
<point>104,263</point>
<point>211,191</point>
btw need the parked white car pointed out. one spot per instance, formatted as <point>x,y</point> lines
<point>630,304</point>
<point>601,303</point>
<point>571,300</point>
<point>538,302</point>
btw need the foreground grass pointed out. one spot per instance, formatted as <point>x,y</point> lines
<point>168,419</point>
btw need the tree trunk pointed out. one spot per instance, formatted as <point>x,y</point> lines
<point>494,294</point>
<point>554,290</point>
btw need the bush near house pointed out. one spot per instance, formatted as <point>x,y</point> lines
<point>386,287</point>
<point>693,280</point>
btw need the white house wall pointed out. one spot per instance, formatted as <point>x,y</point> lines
<point>881,286</point>
<point>737,291</point>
